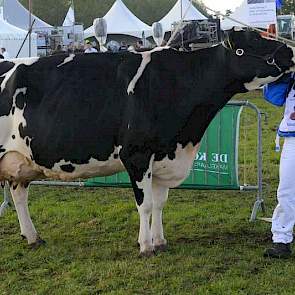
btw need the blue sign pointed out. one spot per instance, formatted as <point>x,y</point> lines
<point>279,4</point>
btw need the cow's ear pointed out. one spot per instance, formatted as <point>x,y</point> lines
<point>230,36</point>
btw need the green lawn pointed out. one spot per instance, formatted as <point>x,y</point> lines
<point>91,239</point>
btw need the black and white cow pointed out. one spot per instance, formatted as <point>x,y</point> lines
<point>68,117</point>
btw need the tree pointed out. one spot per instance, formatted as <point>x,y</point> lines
<point>228,12</point>
<point>288,7</point>
<point>54,11</point>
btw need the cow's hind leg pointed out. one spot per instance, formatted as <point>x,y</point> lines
<point>19,194</point>
<point>160,196</point>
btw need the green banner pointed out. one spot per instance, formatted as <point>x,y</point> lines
<point>216,164</point>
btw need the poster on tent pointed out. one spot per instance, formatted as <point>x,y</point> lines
<point>261,13</point>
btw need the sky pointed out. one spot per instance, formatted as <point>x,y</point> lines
<point>222,5</point>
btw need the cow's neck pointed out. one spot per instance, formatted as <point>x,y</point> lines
<point>217,86</point>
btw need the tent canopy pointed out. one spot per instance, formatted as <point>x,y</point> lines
<point>120,20</point>
<point>239,14</point>
<point>18,15</point>
<point>70,17</point>
<point>12,38</point>
<point>9,31</point>
<point>181,8</point>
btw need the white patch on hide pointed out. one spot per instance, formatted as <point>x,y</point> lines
<point>10,127</point>
<point>17,62</point>
<point>67,60</point>
<point>146,59</point>
<point>256,83</point>
<point>91,169</point>
<point>171,173</point>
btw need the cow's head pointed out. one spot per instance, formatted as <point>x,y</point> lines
<point>257,60</point>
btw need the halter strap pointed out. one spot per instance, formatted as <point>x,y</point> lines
<point>268,58</point>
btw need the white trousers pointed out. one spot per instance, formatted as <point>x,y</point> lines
<point>283,219</point>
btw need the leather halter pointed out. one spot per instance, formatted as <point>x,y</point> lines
<point>268,58</point>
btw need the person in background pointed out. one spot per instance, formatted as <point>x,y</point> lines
<point>58,50</point>
<point>71,48</point>
<point>79,49</point>
<point>96,46</point>
<point>124,46</point>
<point>5,53</point>
<point>113,46</point>
<point>282,93</point>
<point>139,45</point>
<point>89,48</point>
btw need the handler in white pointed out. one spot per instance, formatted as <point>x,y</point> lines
<point>283,220</point>
<point>89,48</point>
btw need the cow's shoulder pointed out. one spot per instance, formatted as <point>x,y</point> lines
<point>5,66</point>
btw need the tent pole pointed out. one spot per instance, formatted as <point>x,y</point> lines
<point>26,38</point>
<point>181,12</point>
<point>30,27</point>
<point>74,23</point>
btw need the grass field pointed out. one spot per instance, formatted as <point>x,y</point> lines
<point>91,239</point>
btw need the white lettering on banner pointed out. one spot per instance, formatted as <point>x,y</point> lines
<point>201,156</point>
<point>213,163</point>
<point>223,158</point>
<point>214,157</point>
<point>211,168</point>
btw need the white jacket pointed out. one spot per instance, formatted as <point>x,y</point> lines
<point>287,126</point>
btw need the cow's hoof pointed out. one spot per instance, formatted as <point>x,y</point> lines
<point>147,254</point>
<point>37,244</point>
<point>161,248</point>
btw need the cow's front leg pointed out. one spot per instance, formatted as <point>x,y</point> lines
<point>139,167</point>
<point>160,196</point>
<point>20,198</point>
<point>145,211</point>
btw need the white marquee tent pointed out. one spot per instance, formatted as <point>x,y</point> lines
<point>12,38</point>
<point>239,14</point>
<point>120,20</point>
<point>70,17</point>
<point>17,15</point>
<point>255,14</point>
<point>181,8</point>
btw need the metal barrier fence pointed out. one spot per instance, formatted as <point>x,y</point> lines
<point>216,165</point>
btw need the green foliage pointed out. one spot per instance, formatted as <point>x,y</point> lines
<point>91,239</point>
<point>54,11</point>
<point>228,12</point>
<point>288,7</point>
